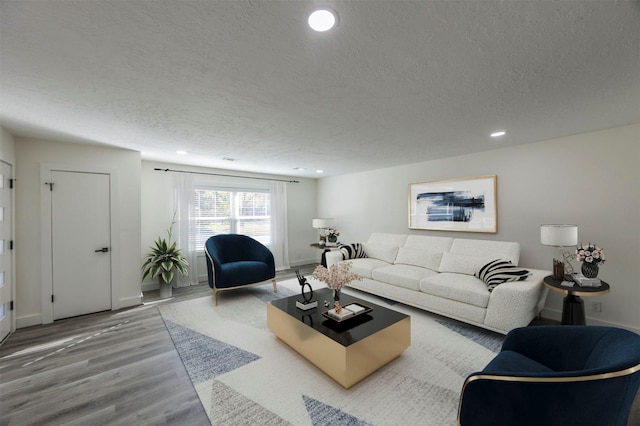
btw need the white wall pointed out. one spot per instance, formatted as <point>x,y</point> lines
<point>158,208</point>
<point>592,180</point>
<point>7,147</point>
<point>30,154</point>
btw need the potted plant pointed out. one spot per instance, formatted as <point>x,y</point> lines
<point>161,262</point>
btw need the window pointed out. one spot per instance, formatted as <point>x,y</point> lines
<point>221,211</point>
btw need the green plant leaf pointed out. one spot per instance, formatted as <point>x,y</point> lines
<point>155,270</point>
<point>167,276</point>
<point>164,258</point>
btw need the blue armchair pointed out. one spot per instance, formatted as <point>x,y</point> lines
<point>235,261</point>
<point>556,375</point>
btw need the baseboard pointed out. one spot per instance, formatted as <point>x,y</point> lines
<point>36,319</point>
<point>556,315</point>
<point>303,262</point>
<point>150,287</point>
<point>28,321</point>
<point>131,301</point>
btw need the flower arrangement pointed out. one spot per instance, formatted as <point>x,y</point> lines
<point>336,276</point>
<point>331,232</point>
<point>590,253</point>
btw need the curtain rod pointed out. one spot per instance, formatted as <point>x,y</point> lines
<point>220,174</point>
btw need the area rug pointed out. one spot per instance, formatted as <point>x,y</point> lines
<point>244,375</point>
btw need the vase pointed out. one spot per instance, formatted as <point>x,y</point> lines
<point>165,289</point>
<point>590,270</point>
<point>336,295</point>
<point>332,238</point>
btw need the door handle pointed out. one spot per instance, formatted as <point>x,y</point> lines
<point>103,250</point>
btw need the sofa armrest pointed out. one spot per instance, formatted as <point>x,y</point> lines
<point>333,257</point>
<point>515,304</point>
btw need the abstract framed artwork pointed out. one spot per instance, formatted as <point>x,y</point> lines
<point>466,205</point>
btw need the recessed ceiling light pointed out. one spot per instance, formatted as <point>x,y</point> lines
<point>319,171</point>
<point>322,20</point>
<point>229,159</point>
<point>299,168</point>
<point>498,134</point>
<point>181,152</point>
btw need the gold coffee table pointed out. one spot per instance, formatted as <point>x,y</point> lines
<point>346,351</point>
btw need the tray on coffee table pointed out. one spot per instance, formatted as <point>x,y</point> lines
<point>350,311</point>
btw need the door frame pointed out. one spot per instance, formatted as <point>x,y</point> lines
<point>46,242</point>
<point>12,283</point>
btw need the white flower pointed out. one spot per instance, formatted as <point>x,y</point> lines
<point>331,231</point>
<point>590,253</point>
<point>337,276</point>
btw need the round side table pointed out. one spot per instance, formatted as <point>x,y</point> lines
<point>573,305</point>
<point>326,248</point>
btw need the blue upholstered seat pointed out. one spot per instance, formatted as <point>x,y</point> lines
<point>556,375</point>
<point>235,261</point>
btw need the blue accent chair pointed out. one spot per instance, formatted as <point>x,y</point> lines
<point>556,375</point>
<point>235,261</point>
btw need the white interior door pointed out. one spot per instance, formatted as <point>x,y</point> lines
<point>6,263</point>
<point>81,246</point>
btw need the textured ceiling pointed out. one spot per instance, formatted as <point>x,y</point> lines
<point>396,82</point>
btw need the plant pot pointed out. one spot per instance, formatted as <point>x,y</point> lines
<point>590,270</point>
<point>165,289</point>
<point>332,238</point>
<point>336,295</point>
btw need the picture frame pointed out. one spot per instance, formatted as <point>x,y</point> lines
<point>464,205</point>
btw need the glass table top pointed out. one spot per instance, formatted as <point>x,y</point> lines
<point>348,331</point>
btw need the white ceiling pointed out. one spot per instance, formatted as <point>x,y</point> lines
<point>396,82</point>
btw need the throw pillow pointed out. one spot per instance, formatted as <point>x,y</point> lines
<point>352,251</point>
<point>501,271</point>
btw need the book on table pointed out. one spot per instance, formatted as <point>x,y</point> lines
<point>346,311</point>
<point>583,281</point>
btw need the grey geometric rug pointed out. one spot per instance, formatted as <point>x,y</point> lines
<point>244,375</point>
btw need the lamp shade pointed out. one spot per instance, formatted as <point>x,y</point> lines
<point>321,223</point>
<point>559,235</point>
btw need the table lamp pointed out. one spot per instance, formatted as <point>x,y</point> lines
<point>322,223</point>
<point>560,236</point>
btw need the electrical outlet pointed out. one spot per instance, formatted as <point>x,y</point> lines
<point>596,306</point>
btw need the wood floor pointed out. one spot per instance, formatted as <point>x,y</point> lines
<point>109,368</point>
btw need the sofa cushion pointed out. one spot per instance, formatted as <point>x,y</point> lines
<point>405,276</point>
<point>458,287</point>
<point>487,249</point>
<point>501,271</point>
<point>352,251</point>
<point>384,252</point>
<point>365,266</point>
<point>462,263</point>
<point>422,258</point>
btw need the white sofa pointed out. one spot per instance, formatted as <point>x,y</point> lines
<point>437,274</point>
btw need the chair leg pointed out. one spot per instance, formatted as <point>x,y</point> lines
<point>275,288</point>
<point>215,297</point>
